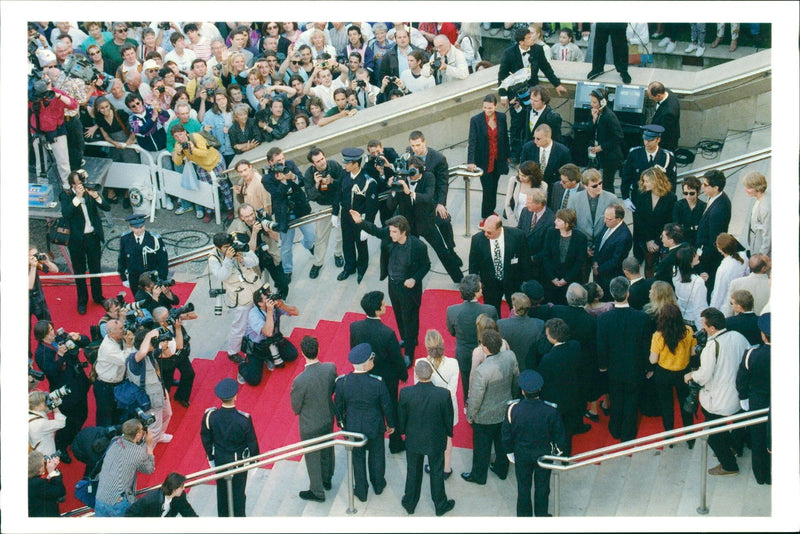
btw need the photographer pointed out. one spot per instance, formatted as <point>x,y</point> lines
<point>150,347</point>
<point>447,63</point>
<point>411,80</point>
<point>412,196</point>
<point>719,364</point>
<point>235,271</point>
<point>341,108</point>
<point>380,166</point>
<point>262,240</point>
<point>57,355</point>
<point>366,93</point>
<point>109,368</point>
<point>37,305</point>
<point>45,486</point>
<point>155,292</point>
<point>266,342</point>
<point>42,429</point>
<point>323,182</point>
<point>79,208</point>
<point>90,445</point>
<point>168,320</point>
<point>47,125</point>
<point>289,202</point>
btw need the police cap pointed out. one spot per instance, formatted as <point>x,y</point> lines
<point>352,154</point>
<point>530,381</point>
<point>652,131</point>
<point>135,221</point>
<point>360,353</point>
<point>226,388</point>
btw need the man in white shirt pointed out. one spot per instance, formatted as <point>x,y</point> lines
<point>42,429</point>
<point>411,79</point>
<point>452,62</point>
<point>110,369</point>
<point>67,28</point>
<point>181,55</point>
<point>325,87</point>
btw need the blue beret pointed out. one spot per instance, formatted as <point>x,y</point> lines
<point>226,388</point>
<point>360,353</point>
<point>652,131</point>
<point>764,323</point>
<point>530,380</point>
<point>352,154</point>
<point>135,221</point>
<point>533,289</point>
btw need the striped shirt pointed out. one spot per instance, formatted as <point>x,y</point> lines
<point>118,475</point>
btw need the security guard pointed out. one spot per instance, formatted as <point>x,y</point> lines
<point>363,405</point>
<point>360,193</point>
<point>228,435</point>
<point>529,428</point>
<point>643,157</point>
<point>140,251</point>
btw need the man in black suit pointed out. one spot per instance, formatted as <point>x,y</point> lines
<point>548,154</point>
<point>569,184</point>
<point>672,239</point>
<point>404,261</point>
<point>461,324</point>
<point>623,345</point>
<point>535,220</point>
<point>501,258</point>
<point>668,114</point>
<point>79,207</point>
<point>744,320</point>
<point>522,54</point>
<point>390,65</point>
<point>612,247</point>
<point>478,153</point>
<point>152,504</point>
<point>560,369</point>
<point>389,363</point>
<point>616,32</point>
<point>639,291</point>
<point>524,334</point>
<point>540,112</point>
<point>425,416</point>
<point>714,221</point>
<point>415,203</point>
<point>311,398</point>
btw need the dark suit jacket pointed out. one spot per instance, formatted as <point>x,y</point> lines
<point>461,324</point>
<point>668,115</point>
<point>571,269</point>
<point>608,134</point>
<point>478,147</point>
<point>665,268</point>
<point>311,397</point>
<point>523,334</point>
<point>615,249</point>
<point>511,61</point>
<point>639,293</point>
<point>152,504</point>
<point>425,416</point>
<point>419,252</point>
<point>536,235</point>
<point>747,325</point>
<point>559,156</point>
<point>516,261</point>
<point>420,213</point>
<point>623,344</point>
<point>649,221</point>
<point>557,194</point>
<point>688,218</point>
<point>389,363</point>
<point>44,495</point>
<point>547,116</point>
<point>583,329</point>
<point>713,222</point>
<point>436,163</point>
<point>560,369</point>
<point>74,215</point>
<point>389,64</point>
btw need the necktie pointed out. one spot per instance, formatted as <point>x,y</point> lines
<point>563,54</point>
<point>139,241</point>
<point>532,121</point>
<point>543,160</point>
<point>605,236</point>
<point>650,158</point>
<point>566,198</point>
<point>498,261</point>
<point>533,220</point>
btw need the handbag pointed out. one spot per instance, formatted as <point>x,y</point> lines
<point>58,231</point>
<point>211,141</point>
<point>189,178</point>
<point>129,396</point>
<point>86,491</point>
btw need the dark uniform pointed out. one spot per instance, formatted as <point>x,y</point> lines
<point>529,428</point>
<point>638,161</point>
<point>228,435</point>
<point>363,404</point>
<point>381,174</point>
<point>135,259</point>
<point>359,193</point>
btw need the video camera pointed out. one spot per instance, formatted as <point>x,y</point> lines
<point>82,68</point>
<point>56,397</point>
<point>145,418</point>
<point>169,282</point>
<point>266,221</point>
<point>521,92</point>
<point>402,168</point>
<point>175,313</point>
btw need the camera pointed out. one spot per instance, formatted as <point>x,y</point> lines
<point>213,293</point>
<point>239,242</point>
<point>266,221</point>
<point>401,167</point>
<point>266,290</point>
<point>702,338</point>
<point>62,338</point>
<point>55,455</point>
<point>163,25</point>
<point>84,176</point>
<point>278,168</point>
<point>163,335</point>
<point>130,306</point>
<point>348,107</point>
<point>378,160</point>
<point>82,68</point>
<point>521,93</point>
<point>692,399</point>
<point>361,83</point>
<point>210,93</point>
<point>436,63</point>
<point>393,79</point>
<point>41,256</point>
<point>175,313</point>
<point>185,146</point>
<point>161,89</point>
<point>169,282</point>
<point>36,375</point>
<point>145,418</point>
<point>56,397</point>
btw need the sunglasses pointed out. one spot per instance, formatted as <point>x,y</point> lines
<point>95,53</point>
<point>595,186</point>
<point>134,104</point>
<point>296,62</point>
<point>121,30</point>
<point>690,193</point>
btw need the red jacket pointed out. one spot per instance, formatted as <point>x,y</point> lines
<point>51,116</point>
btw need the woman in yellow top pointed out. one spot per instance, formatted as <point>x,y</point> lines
<point>670,348</point>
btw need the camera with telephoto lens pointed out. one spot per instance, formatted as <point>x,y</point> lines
<point>216,292</point>
<point>175,313</point>
<point>169,282</point>
<point>279,168</point>
<point>129,307</point>
<point>263,218</point>
<point>238,241</point>
<point>702,338</point>
<point>145,418</point>
<point>692,399</point>
<point>163,335</point>
<point>62,338</point>
<point>55,397</point>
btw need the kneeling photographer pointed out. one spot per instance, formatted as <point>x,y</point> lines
<point>233,268</point>
<point>58,355</point>
<point>42,429</point>
<point>150,348</point>
<point>45,486</point>
<point>264,344</point>
<point>166,319</point>
<point>716,380</point>
<point>155,292</point>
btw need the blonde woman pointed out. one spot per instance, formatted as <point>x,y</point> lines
<point>445,375</point>
<point>661,294</point>
<point>653,204</point>
<point>759,233</point>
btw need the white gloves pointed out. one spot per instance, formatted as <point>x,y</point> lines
<point>511,457</point>
<point>335,221</point>
<point>629,205</point>
<point>363,235</point>
<point>211,463</point>
<point>745,404</point>
<point>127,284</point>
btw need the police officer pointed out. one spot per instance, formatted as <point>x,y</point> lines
<point>363,405</point>
<point>359,193</point>
<point>228,435</point>
<point>140,251</point>
<point>643,157</point>
<point>529,428</point>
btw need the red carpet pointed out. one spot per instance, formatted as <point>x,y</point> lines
<point>268,403</point>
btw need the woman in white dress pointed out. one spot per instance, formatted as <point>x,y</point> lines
<point>529,177</point>
<point>690,289</point>
<point>732,267</point>
<point>759,232</point>
<point>445,375</point>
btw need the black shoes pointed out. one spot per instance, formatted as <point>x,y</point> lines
<point>494,470</point>
<point>469,478</point>
<point>308,495</point>
<point>583,429</point>
<point>626,78</point>
<point>338,261</point>
<point>314,271</point>
<point>184,403</point>
<point>594,74</point>
<point>99,300</point>
<point>82,309</point>
<point>327,485</point>
<point>449,505</point>
<point>360,277</point>
<point>236,358</point>
<point>288,277</point>
<point>344,275</point>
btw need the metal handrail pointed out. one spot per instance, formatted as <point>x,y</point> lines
<point>737,161</point>
<point>558,464</point>
<point>343,438</point>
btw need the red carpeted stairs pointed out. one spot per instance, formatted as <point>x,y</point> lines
<point>268,403</point>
